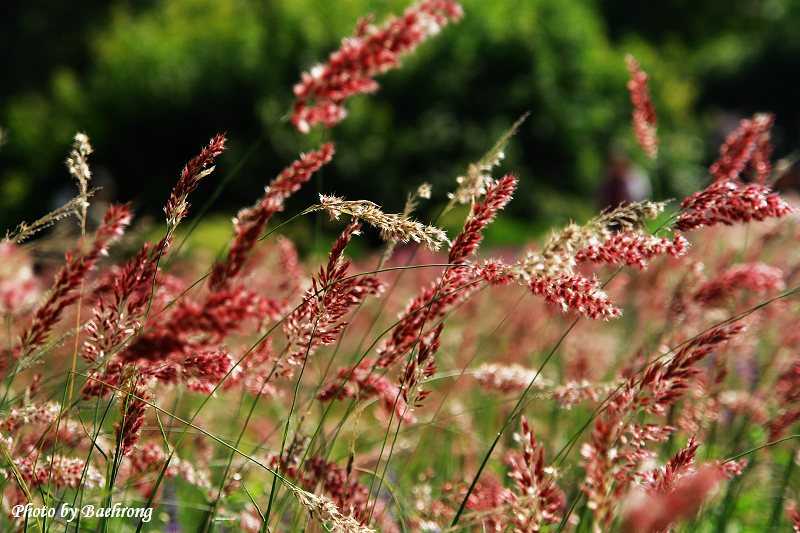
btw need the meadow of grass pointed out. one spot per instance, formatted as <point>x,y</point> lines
<point>638,371</point>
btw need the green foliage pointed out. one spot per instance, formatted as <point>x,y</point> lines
<point>165,56</point>
<point>170,73</point>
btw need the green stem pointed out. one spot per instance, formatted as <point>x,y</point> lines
<point>780,496</point>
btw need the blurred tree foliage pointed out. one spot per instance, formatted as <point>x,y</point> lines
<point>151,80</point>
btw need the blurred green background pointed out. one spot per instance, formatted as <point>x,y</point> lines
<point>151,81</point>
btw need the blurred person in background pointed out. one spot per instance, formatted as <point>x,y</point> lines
<point>623,182</point>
